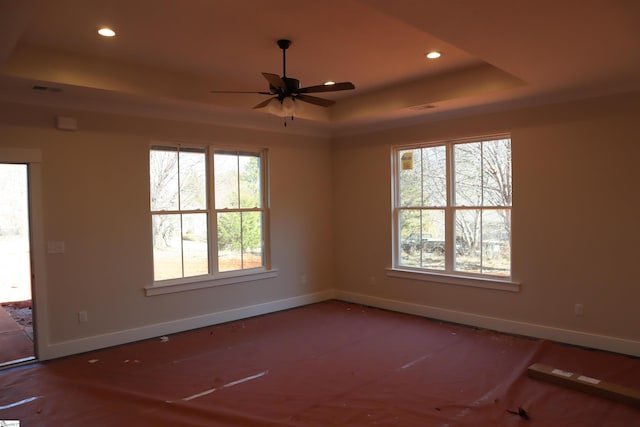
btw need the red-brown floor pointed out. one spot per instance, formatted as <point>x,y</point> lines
<point>327,364</point>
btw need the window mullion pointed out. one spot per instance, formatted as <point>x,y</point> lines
<point>395,188</point>
<point>181,213</point>
<point>449,213</point>
<point>481,208</point>
<point>422,202</point>
<point>265,208</point>
<point>213,214</point>
<point>182,243</point>
<point>240,210</point>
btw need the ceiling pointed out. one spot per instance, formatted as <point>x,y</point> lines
<point>169,54</point>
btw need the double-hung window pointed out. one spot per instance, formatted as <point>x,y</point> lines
<point>239,208</point>
<point>208,212</point>
<point>452,208</point>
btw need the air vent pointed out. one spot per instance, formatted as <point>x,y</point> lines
<point>46,88</point>
<point>422,107</point>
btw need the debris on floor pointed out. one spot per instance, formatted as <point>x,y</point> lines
<point>583,383</point>
<point>20,311</point>
<point>521,413</point>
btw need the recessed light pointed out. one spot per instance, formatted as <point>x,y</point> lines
<point>106,32</point>
<point>329,83</point>
<point>433,55</point>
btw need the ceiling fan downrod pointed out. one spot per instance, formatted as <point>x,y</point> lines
<point>284,45</point>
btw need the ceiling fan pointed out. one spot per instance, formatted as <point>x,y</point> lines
<point>286,90</point>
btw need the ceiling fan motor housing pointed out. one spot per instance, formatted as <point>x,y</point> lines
<point>292,84</point>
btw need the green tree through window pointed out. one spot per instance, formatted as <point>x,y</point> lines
<point>185,222</point>
<point>239,210</point>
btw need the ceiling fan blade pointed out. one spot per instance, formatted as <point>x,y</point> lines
<point>264,103</point>
<point>315,100</point>
<point>240,91</point>
<point>275,81</point>
<point>326,88</point>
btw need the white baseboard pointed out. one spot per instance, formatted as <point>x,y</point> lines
<point>66,348</point>
<point>602,342</point>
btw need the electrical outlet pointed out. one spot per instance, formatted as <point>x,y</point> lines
<point>578,310</point>
<point>83,316</point>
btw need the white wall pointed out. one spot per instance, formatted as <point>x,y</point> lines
<point>575,224</point>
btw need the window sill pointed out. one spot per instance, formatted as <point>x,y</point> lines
<point>208,281</point>
<point>451,279</point>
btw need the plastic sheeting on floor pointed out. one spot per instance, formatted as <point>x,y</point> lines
<point>327,364</point>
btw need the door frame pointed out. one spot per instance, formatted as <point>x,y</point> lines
<point>33,159</point>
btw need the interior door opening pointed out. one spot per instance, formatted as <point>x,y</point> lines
<point>16,313</point>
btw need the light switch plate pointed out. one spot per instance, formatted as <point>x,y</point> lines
<point>55,247</point>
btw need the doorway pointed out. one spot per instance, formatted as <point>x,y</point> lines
<point>16,308</point>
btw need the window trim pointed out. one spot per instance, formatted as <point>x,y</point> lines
<point>447,276</point>
<point>217,278</point>
<point>486,282</point>
<point>209,280</point>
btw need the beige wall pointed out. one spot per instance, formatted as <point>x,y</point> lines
<point>575,215</point>
<point>95,197</point>
<point>575,227</point>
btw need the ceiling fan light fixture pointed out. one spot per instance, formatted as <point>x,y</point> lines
<point>287,107</point>
<point>274,107</point>
<point>106,32</point>
<point>329,83</point>
<point>434,54</point>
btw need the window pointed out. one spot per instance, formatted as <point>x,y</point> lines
<point>239,210</point>
<point>201,230</point>
<point>452,208</point>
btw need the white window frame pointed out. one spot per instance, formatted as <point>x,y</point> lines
<point>214,277</point>
<point>448,275</point>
